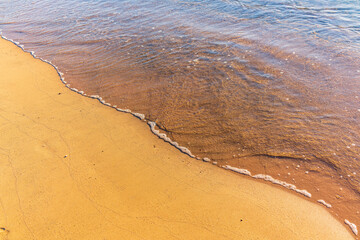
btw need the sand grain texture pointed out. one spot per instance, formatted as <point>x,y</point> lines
<point>72,168</point>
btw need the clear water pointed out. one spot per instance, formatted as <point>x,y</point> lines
<point>256,84</point>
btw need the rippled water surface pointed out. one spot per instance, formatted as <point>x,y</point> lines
<point>261,85</point>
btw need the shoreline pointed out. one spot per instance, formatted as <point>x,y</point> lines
<point>163,136</point>
<point>333,195</point>
<point>268,179</point>
<point>79,171</point>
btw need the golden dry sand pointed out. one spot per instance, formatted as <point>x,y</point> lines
<point>72,168</point>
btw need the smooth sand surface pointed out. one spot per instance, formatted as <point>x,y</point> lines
<point>72,168</point>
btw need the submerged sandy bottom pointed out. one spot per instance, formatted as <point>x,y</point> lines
<point>72,168</point>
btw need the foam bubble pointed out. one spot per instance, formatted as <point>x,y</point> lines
<point>282,183</point>
<point>328,205</point>
<point>94,96</point>
<point>269,179</point>
<point>139,115</point>
<point>238,170</point>
<point>123,110</point>
<point>206,159</point>
<point>352,226</point>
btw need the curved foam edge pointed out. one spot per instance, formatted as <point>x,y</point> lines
<point>163,136</point>
<point>206,159</point>
<point>269,179</point>
<point>328,205</point>
<point>352,226</point>
<point>238,170</point>
<point>167,139</point>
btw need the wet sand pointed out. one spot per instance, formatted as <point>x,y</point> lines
<point>72,168</point>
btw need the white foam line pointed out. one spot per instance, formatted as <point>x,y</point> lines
<point>94,96</point>
<point>352,226</point>
<point>238,170</point>
<point>282,183</point>
<point>269,179</point>
<point>167,139</point>
<point>328,205</point>
<point>123,110</point>
<point>139,115</point>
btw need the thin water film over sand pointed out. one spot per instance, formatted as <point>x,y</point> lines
<point>269,86</point>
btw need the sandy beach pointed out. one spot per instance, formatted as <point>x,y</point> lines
<point>72,168</point>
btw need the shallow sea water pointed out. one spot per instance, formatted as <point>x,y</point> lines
<point>269,86</point>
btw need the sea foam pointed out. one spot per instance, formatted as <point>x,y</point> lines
<point>352,226</point>
<point>269,179</point>
<point>328,205</point>
<point>167,139</point>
